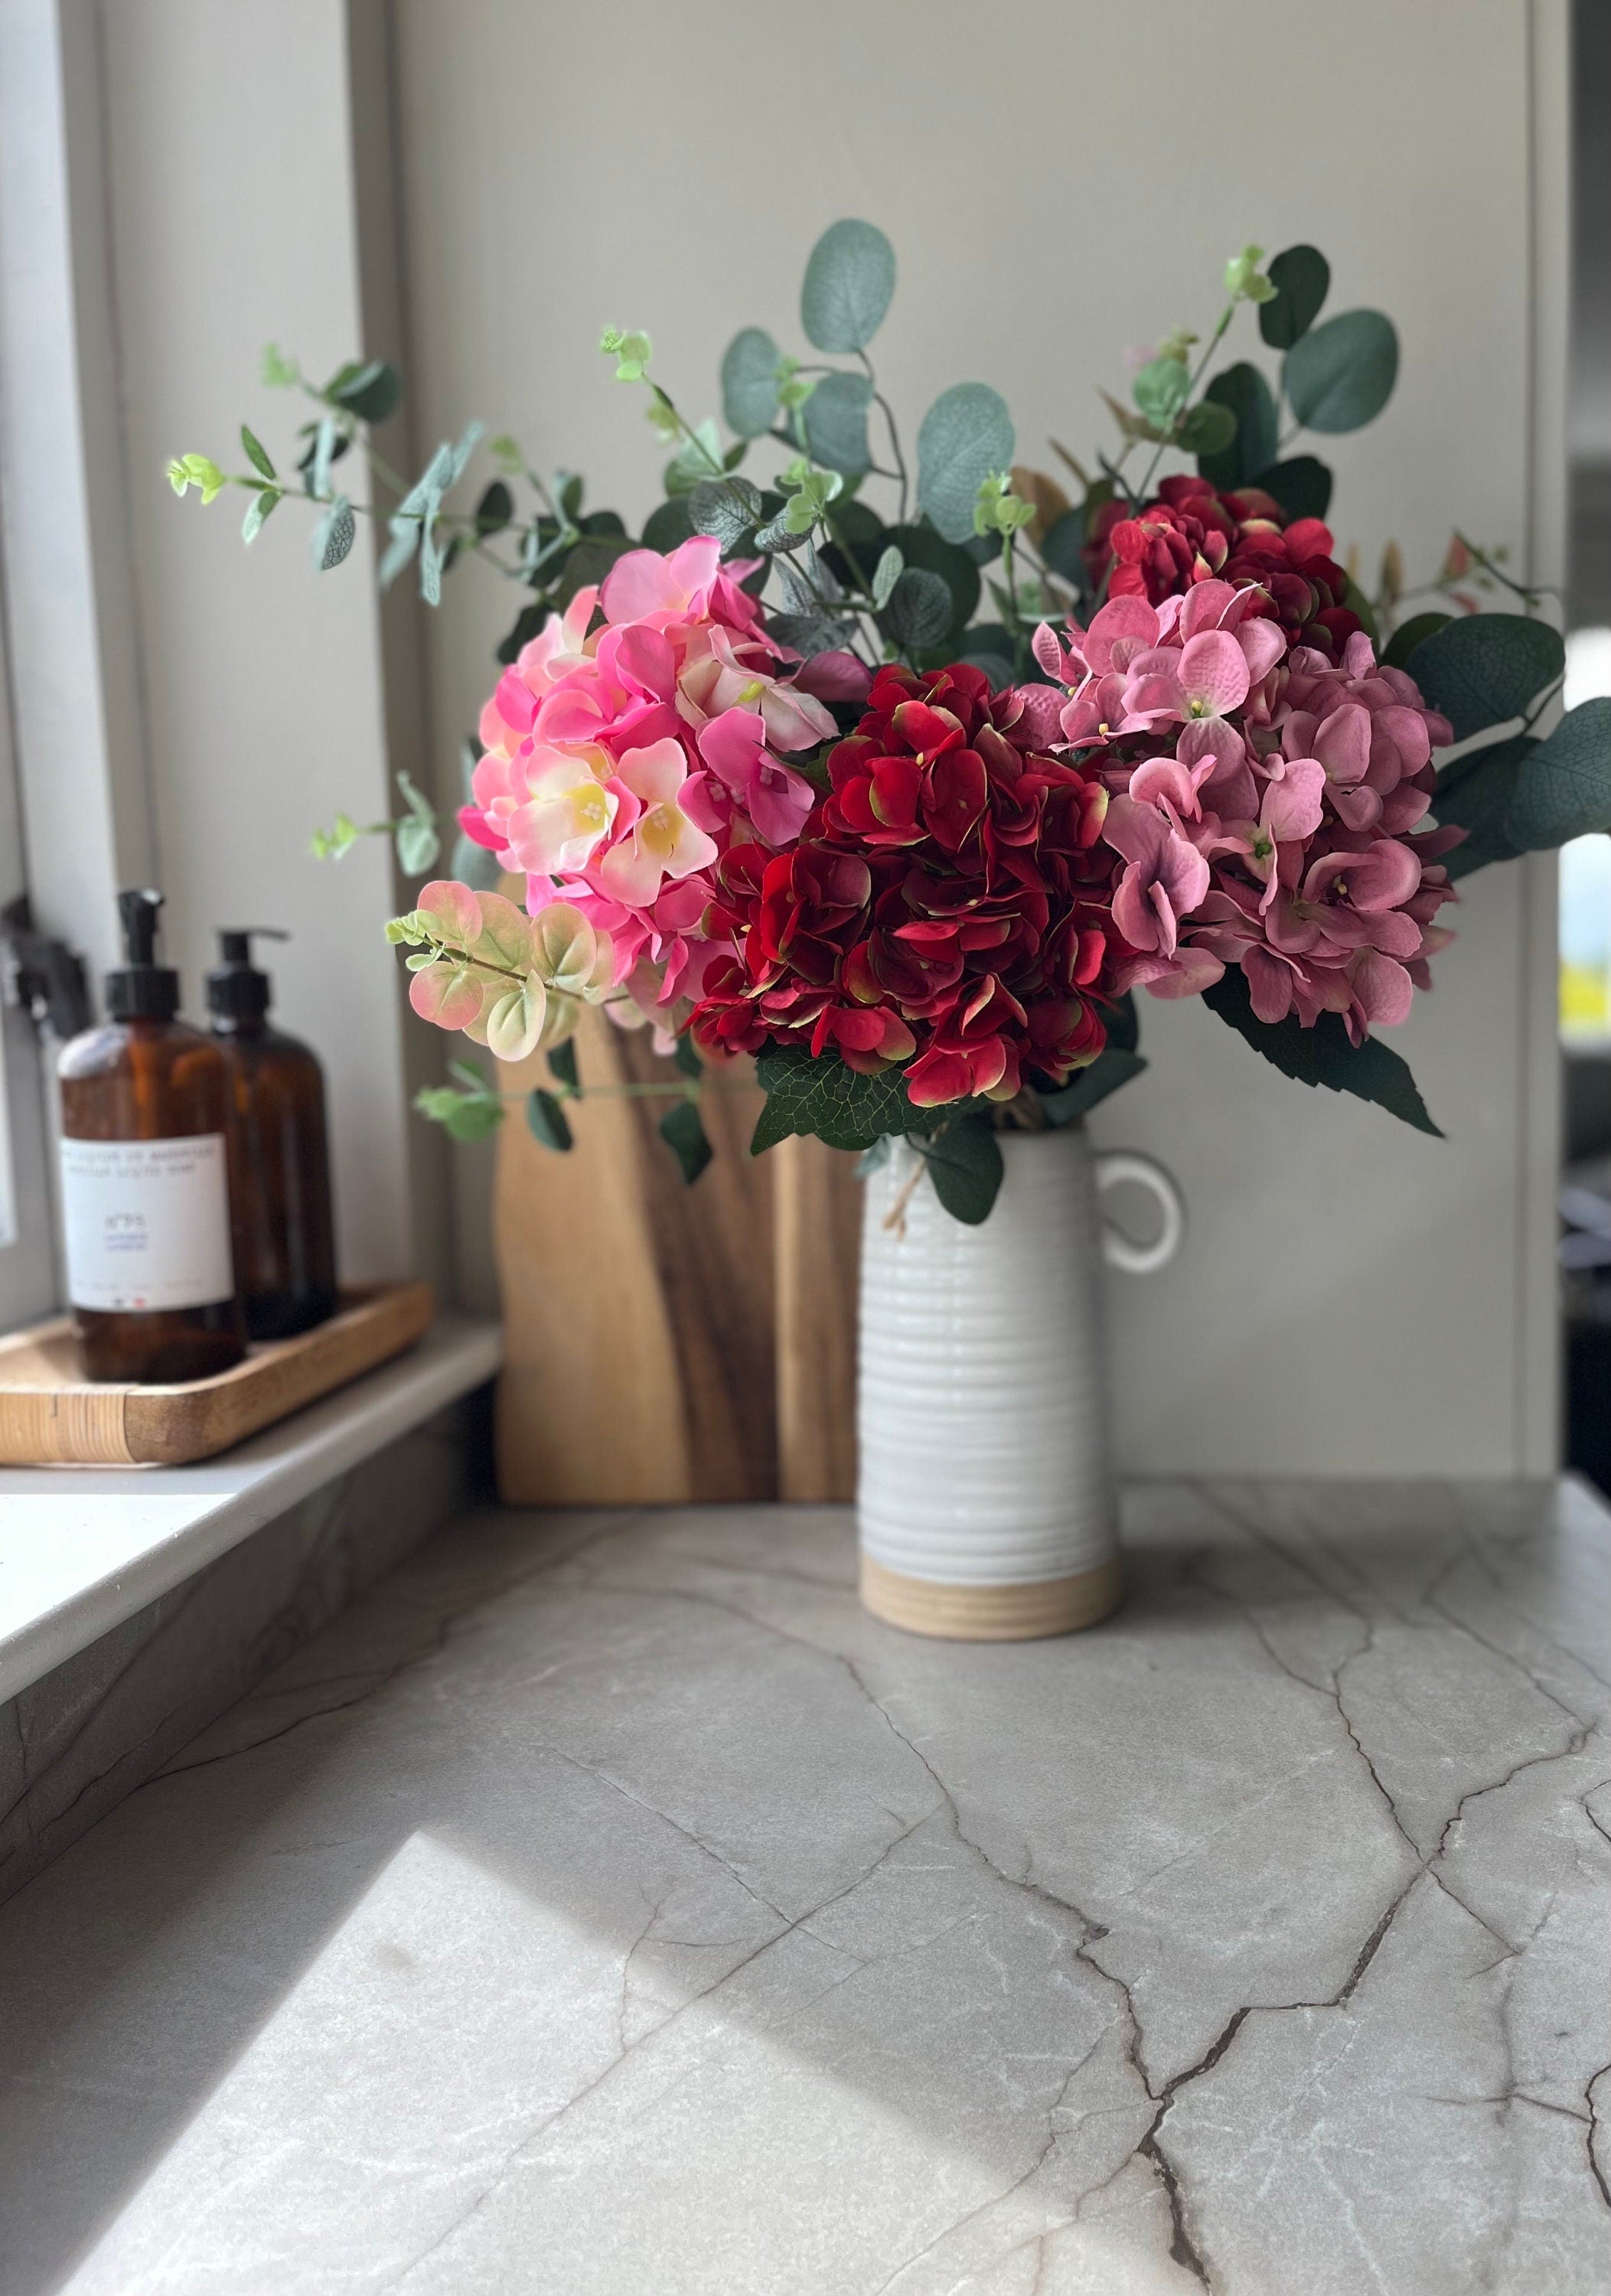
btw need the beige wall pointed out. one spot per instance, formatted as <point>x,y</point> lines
<point>1351,1296</point>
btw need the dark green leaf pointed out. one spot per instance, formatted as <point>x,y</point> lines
<point>495,509</point>
<point>257,455</point>
<point>684,1133</point>
<point>848,280</point>
<point>668,524</point>
<point>1210,428</point>
<point>1323,1055</point>
<point>1340,376</point>
<point>687,1057</point>
<point>810,633</point>
<point>825,1098</point>
<point>475,864</point>
<point>965,1164</point>
<point>562,1063</point>
<point>1302,486</point>
<point>545,1121</point>
<point>370,391</point>
<point>589,563</point>
<point>1474,794</point>
<point>1123,1023</point>
<point>572,488</point>
<point>1300,276</point>
<point>1410,635</point>
<point>473,1117</point>
<point>1245,391</point>
<point>1354,598</point>
<point>920,610</point>
<point>1088,1086</point>
<point>965,435</point>
<point>1565,788</point>
<point>602,521</point>
<point>527,624</point>
<point>333,538</point>
<point>1484,668</point>
<point>1064,546</point>
<point>836,418</point>
<point>749,382</point>
<point>921,547</point>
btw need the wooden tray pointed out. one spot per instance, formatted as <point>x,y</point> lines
<point>51,1415</point>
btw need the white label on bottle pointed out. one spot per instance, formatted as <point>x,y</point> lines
<point>147,1223</point>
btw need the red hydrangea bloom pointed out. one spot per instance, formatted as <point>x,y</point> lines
<point>1194,533</point>
<point>947,905</point>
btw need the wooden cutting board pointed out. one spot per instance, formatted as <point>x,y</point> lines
<point>51,1415</point>
<point>666,1343</point>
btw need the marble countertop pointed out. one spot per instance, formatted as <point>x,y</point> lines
<point>605,1907</point>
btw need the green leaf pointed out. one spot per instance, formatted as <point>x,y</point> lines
<point>1210,428</point>
<point>1410,633</point>
<point>965,435</point>
<point>687,1057</point>
<point>682,1129</point>
<point>1565,788</point>
<point>475,864</point>
<point>258,455</point>
<point>836,417</point>
<point>546,1121</point>
<point>1123,1023</point>
<point>827,1099</point>
<point>921,546</point>
<point>668,524</point>
<point>1322,1055</point>
<point>1160,391</point>
<point>370,391</point>
<point>1474,794</point>
<point>333,538</point>
<point>1088,1086</point>
<point>562,1063</point>
<point>589,563</point>
<point>725,508</point>
<point>1302,486</point>
<point>920,610</point>
<point>1340,376</point>
<point>749,383</point>
<point>257,510</point>
<point>1063,547</point>
<point>1245,391</point>
<point>495,509</point>
<point>1484,668</point>
<point>885,575</point>
<point>1300,276</point>
<point>465,1116</point>
<point>848,280</point>
<point>965,1164</point>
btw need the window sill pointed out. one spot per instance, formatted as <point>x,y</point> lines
<point>82,1549</point>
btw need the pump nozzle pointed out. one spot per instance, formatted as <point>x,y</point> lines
<point>236,989</point>
<point>137,909</point>
<point>141,990</point>
<point>234,941</point>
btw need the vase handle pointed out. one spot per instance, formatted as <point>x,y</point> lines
<point>1115,1165</point>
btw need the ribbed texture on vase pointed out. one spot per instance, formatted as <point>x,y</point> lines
<point>982,1394</point>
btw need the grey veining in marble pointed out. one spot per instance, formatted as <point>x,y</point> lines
<point>605,1907</point>
<point>73,1744</point>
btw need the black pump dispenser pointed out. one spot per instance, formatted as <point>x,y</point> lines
<point>142,989</point>
<point>236,989</point>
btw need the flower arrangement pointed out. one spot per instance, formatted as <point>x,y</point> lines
<point>773,787</point>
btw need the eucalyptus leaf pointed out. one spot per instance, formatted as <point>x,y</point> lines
<point>1210,428</point>
<point>495,509</point>
<point>920,610</point>
<point>1064,547</point>
<point>885,575</point>
<point>836,418</point>
<point>682,1129</point>
<point>333,538</point>
<point>417,845</point>
<point>848,280</point>
<point>1301,486</point>
<point>1339,376</point>
<point>1244,390</point>
<point>257,510</point>
<point>1410,635</point>
<point>668,524</point>
<point>725,508</point>
<point>325,441</point>
<point>1323,1055</point>
<point>1565,788</point>
<point>1160,391</point>
<point>965,1164</point>
<point>370,391</point>
<point>749,383</point>
<point>1484,668</point>
<point>967,434</point>
<point>920,546</point>
<point>546,1122</point>
<point>257,454</point>
<point>475,864</point>
<point>1474,794</point>
<point>1300,277</point>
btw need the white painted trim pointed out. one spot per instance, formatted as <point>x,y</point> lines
<point>82,1550</point>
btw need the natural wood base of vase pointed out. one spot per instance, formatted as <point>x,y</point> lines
<point>1021,1613</point>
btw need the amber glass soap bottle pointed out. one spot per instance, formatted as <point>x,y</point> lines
<point>144,1180</point>
<point>280,1160</point>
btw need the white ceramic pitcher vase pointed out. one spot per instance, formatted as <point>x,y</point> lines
<point>985,1497</point>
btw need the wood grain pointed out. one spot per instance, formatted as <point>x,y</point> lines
<point>817,1247</point>
<point>50,1414</point>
